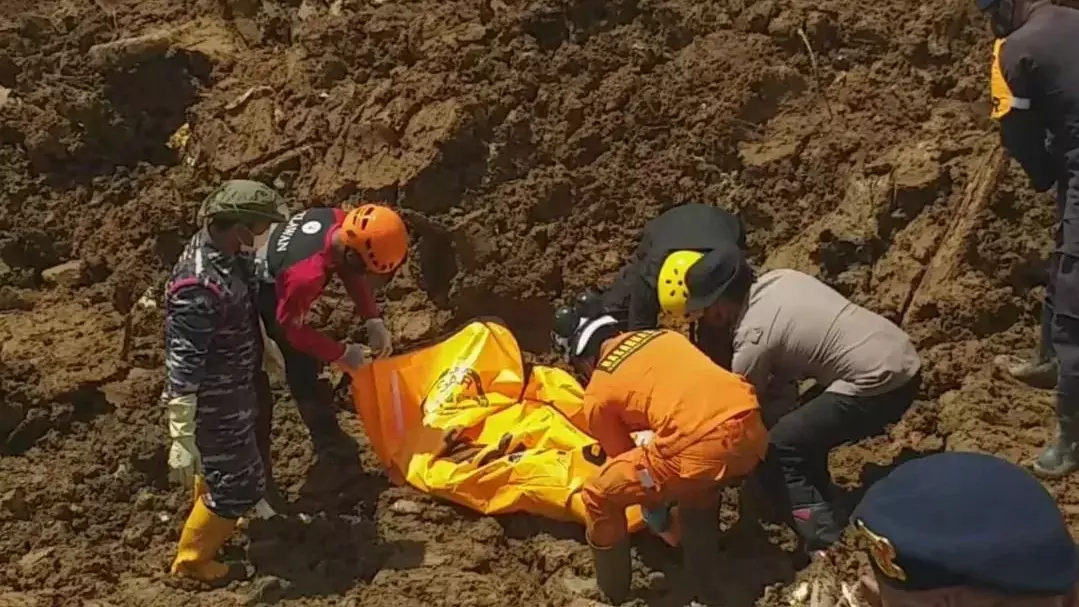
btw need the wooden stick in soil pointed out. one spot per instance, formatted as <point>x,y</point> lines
<point>947,259</point>
<point>816,71</point>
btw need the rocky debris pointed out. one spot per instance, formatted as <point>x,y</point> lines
<point>11,415</point>
<point>19,599</point>
<point>34,425</point>
<point>130,50</point>
<point>268,590</point>
<point>13,503</point>
<point>11,299</point>
<point>145,500</point>
<point>137,389</point>
<point>916,171</point>
<point>757,17</point>
<point>918,167</point>
<point>62,512</point>
<point>406,507</point>
<point>756,155</point>
<point>69,274</point>
<point>137,534</point>
<point>577,586</point>
<point>36,560</point>
<point>409,555</point>
<point>413,326</point>
<point>561,554</point>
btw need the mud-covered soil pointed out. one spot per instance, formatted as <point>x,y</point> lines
<point>529,142</point>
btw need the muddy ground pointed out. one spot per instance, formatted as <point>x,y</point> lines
<point>529,142</point>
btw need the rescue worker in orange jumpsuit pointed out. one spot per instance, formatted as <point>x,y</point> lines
<point>707,433</point>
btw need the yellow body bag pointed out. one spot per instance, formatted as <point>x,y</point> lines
<point>463,420</point>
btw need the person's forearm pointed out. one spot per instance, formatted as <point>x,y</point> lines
<point>313,342</point>
<point>363,297</point>
<point>1024,138</point>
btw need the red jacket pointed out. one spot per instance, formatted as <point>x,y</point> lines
<point>299,259</point>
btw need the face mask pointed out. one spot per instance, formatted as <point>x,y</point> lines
<point>247,245</point>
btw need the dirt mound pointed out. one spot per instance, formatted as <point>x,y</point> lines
<point>528,143</point>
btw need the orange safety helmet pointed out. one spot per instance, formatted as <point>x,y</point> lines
<point>378,234</point>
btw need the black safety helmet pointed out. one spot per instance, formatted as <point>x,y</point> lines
<point>589,302</point>
<point>570,319</point>
<point>586,341</point>
<point>565,323</point>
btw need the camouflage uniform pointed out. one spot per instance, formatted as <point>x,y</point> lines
<point>213,349</point>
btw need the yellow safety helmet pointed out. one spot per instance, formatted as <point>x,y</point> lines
<point>671,286</point>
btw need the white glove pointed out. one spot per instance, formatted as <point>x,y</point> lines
<point>184,460</point>
<point>378,337</point>
<point>352,359</point>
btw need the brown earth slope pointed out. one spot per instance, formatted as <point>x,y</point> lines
<point>529,142</point>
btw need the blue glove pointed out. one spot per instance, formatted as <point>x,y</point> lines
<point>659,521</point>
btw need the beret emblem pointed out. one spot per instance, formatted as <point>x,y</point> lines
<point>883,553</point>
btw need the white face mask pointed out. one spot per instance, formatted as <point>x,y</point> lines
<point>248,248</point>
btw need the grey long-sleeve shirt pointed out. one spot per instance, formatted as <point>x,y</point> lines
<point>795,327</point>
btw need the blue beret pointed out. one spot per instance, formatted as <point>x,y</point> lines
<point>967,519</point>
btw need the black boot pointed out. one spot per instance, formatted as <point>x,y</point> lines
<point>1059,458</point>
<point>818,526</point>
<point>1040,369</point>
<point>1037,371</point>
<point>700,553</point>
<point>273,497</point>
<point>319,414</point>
<point>337,460</point>
<point>613,571</point>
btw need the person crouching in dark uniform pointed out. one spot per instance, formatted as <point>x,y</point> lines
<point>653,281</point>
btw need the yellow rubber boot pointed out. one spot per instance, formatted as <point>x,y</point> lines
<point>203,535</point>
<point>200,489</point>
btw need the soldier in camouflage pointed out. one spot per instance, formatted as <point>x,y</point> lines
<point>213,355</point>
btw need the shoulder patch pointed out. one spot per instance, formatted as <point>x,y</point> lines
<point>1003,99</point>
<point>752,336</point>
<point>629,346</point>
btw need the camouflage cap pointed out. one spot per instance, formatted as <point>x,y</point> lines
<point>244,200</point>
